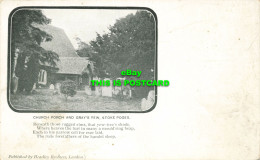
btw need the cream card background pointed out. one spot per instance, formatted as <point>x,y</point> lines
<point>208,50</point>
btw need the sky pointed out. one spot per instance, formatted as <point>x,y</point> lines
<point>84,23</point>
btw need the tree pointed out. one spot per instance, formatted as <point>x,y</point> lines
<point>86,50</point>
<point>130,44</point>
<point>25,43</point>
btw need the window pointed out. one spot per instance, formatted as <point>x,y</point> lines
<point>42,77</point>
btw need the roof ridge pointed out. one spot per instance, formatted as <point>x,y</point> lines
<point>61,44</point>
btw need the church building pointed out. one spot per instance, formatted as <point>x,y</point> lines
<point>70,66</point>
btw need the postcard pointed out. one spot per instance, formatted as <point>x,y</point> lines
<point>139,80</point>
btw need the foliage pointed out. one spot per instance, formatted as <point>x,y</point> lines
<point>68,88</point>
<point>130,44</point>
<point>25,42</point>
<point>85,50</point>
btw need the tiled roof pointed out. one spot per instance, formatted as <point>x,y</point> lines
<point>70,62</point>
<point>73,65</point>
<point>60,43</point>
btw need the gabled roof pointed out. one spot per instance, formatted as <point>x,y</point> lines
<point>73,65</point>
<point>60,42</point>
<point>70,62</point>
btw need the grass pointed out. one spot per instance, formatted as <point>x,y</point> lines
<point>45,100</point>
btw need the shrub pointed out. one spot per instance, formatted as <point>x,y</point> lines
<point>68,88</point>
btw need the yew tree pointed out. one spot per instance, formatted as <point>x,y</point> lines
<point>26,41</point>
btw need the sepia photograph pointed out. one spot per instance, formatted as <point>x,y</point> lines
<point>56,53</point>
